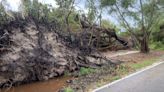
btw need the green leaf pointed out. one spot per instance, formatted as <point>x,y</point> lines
<point>105,3</point>
<point>126,3</point>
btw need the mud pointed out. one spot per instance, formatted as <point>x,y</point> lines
<point>52,85</point>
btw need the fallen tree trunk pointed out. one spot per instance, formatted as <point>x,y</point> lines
<point>95,35</point>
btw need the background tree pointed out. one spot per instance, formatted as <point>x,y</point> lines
<point>92,10</point>
<point>141,14</point>
<point>65,8</point>
<point>5,16</point>
<point>25,7</point>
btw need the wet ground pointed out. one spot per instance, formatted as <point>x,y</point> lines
<point>52,85</point>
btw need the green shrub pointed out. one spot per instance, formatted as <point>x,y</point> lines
<point>85,71</point>
<point>68,89</point>
<point>157,46</point>
<point>116,78</point>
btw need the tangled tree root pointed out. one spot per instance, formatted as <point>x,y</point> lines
<point>35,52</point>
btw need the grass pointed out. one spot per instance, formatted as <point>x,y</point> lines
<point>85,71</point>
<point>68,89</point>
<point>115,78</point>
<point>125,69</point>
<point>142,64</point>
<point>115,73</point>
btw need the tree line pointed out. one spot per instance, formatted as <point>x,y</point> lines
<point>140,18</point>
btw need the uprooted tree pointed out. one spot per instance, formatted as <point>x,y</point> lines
<point>144,15</point>
<point>38,42</point>
<point>93,32</point>
<point>98,37</point>
<point>34,45</point>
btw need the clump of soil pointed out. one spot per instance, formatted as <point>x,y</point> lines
<point>35,52</point>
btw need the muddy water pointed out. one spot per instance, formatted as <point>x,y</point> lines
<point>52,85</point>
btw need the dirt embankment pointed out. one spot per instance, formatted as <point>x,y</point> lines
<point>35,52</point>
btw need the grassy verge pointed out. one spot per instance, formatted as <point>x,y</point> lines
<point>157,46</point>
<point>123,70</point>
<point>85,71</point>
<point>142,64</point>
<point>90,79</point>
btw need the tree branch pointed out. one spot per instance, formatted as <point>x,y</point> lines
<point>126,23</point>
<point>142,15</point>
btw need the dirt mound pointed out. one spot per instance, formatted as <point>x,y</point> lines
<point>35,52</point>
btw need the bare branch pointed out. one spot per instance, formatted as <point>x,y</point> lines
<point>125,22</point>
<point>141,5</point>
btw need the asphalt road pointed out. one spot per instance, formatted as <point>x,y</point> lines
<point>151,80</point>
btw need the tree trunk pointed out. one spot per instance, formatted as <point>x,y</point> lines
<point>144,48</point>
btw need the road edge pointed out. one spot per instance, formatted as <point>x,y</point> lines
<point>130,75</point>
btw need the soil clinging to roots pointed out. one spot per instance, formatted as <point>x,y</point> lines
<point>34,52</point>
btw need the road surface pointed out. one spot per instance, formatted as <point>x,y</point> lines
<point>149,80</point>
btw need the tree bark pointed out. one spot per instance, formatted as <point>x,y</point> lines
<point>144,48</point>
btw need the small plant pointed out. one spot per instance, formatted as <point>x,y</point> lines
<point>123,69</point>
<point>116,78</point>
<point>68,89</point>
<point>85,71</point>
<point>66,73</point>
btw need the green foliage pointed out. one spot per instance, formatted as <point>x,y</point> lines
<point>124,34</point>
<point>157,46</point>
<point>2,14</point>
<point>143,63</point>
<point>127,8</point>
<point>64,4</point>
<point>5,16</point>
<point>115,78</point>
<point>31,8</point>
<point>127,3</point>
<point>157,37</point>
<point>136,14</point>
<point>85,71</point>
<point>68,89</point>
<point>36,10</point>
<point>127,11</point>
<point>26,6</point>
<point>157,33</point>
<point>92,10</point>
<point>108,24</point>
<point>106,3</point>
